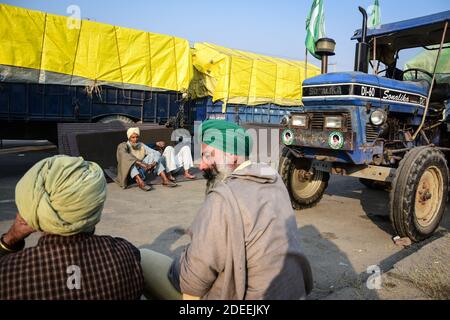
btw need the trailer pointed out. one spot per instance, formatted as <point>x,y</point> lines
<point>33,111</point>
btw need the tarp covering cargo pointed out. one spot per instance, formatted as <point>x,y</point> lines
<point>426,61</point>
<point>239,77</point>
<point>46,48</point>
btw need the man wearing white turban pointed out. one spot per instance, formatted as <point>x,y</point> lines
<point>63,198</point>
<point>136,160</point>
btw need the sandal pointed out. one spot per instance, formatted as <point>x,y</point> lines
<point>190,177</point>
<point>146,188</point>
<point>170,184</point>
<point>142,185</point>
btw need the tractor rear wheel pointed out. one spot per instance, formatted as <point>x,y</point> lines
<point>419,193</point>
<point>306,186</point>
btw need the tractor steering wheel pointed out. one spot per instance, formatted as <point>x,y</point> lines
<point>416,70</point>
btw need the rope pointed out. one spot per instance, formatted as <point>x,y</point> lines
<point>432,83</point>
<point>76,52</point>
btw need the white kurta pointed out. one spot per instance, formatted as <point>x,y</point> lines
<point>178,159</point>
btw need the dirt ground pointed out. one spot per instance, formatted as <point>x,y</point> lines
<point>346,235</point>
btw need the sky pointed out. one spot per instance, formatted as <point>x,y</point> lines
<point>275,28</point>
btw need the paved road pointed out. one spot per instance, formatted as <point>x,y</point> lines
<point>342,236</point>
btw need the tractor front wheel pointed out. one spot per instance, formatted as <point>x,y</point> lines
<point>306,186</point>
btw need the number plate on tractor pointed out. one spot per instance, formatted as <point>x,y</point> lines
<point>321,166</point>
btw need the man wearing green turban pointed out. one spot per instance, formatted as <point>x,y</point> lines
<point>244,241</point>
<point>63,198</point>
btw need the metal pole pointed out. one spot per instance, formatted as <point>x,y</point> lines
<point>432,83</point>
<point>306,63</point>
<point>324,64</point>
<point>375,69</point>
<point>142,107</point>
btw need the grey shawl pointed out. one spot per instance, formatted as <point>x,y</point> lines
<point>244,242</point>
<point>125,161</point>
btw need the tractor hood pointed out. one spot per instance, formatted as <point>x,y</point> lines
<point>358,88</point>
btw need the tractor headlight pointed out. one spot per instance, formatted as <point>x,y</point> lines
<point>299,121</point>
<point>333,122</point>
<point>378,117</point>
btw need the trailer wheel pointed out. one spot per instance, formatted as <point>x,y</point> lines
<point>306,190</point>
<point>116,118</point>
<point>419,193</point>
<point>376,185</point>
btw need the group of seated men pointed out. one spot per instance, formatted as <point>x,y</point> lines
<point>137,161</point>
<point>244,242</point>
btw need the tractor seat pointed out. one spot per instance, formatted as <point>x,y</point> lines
<point>441,92</point>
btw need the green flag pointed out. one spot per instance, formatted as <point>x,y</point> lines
<point>374,16</point>
<point>315,26</point>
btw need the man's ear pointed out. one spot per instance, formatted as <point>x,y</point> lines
<point>240,160</point>
<point>231,158</point>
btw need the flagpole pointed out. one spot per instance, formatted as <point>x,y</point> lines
<point>375,68</point>
<point>306,63</point>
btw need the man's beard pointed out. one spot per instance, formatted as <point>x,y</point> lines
<point>136,146</point>
<point>213,176</point>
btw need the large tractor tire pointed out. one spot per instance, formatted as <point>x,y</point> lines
<point>116,118</point>
<point>306,190</point>
<point>376,185</point>
<point>419,193</point>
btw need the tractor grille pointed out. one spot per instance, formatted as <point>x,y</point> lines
<point>371,133</point>
<point>318,120</point>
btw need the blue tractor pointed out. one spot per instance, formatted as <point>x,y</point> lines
<point>391,129</point>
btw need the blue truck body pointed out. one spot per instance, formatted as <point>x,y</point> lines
<point>204,108</point>
<point>47,104</point>
<point>61,103</point>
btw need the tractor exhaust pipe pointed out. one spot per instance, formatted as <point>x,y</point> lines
<point>362,47</point>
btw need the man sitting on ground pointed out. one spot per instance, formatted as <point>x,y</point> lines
<point>63,197</point>
<point>135,160</point>
<point>176,159</point>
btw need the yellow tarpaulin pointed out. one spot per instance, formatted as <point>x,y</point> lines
<point>240,77</point>
<point>95,51</point>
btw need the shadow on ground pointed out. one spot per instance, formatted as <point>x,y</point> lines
<point>334,275</point>
<point>165,242</point>
<point>375,203</point>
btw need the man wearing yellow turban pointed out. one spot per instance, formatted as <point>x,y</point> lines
<point>63,198</point>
